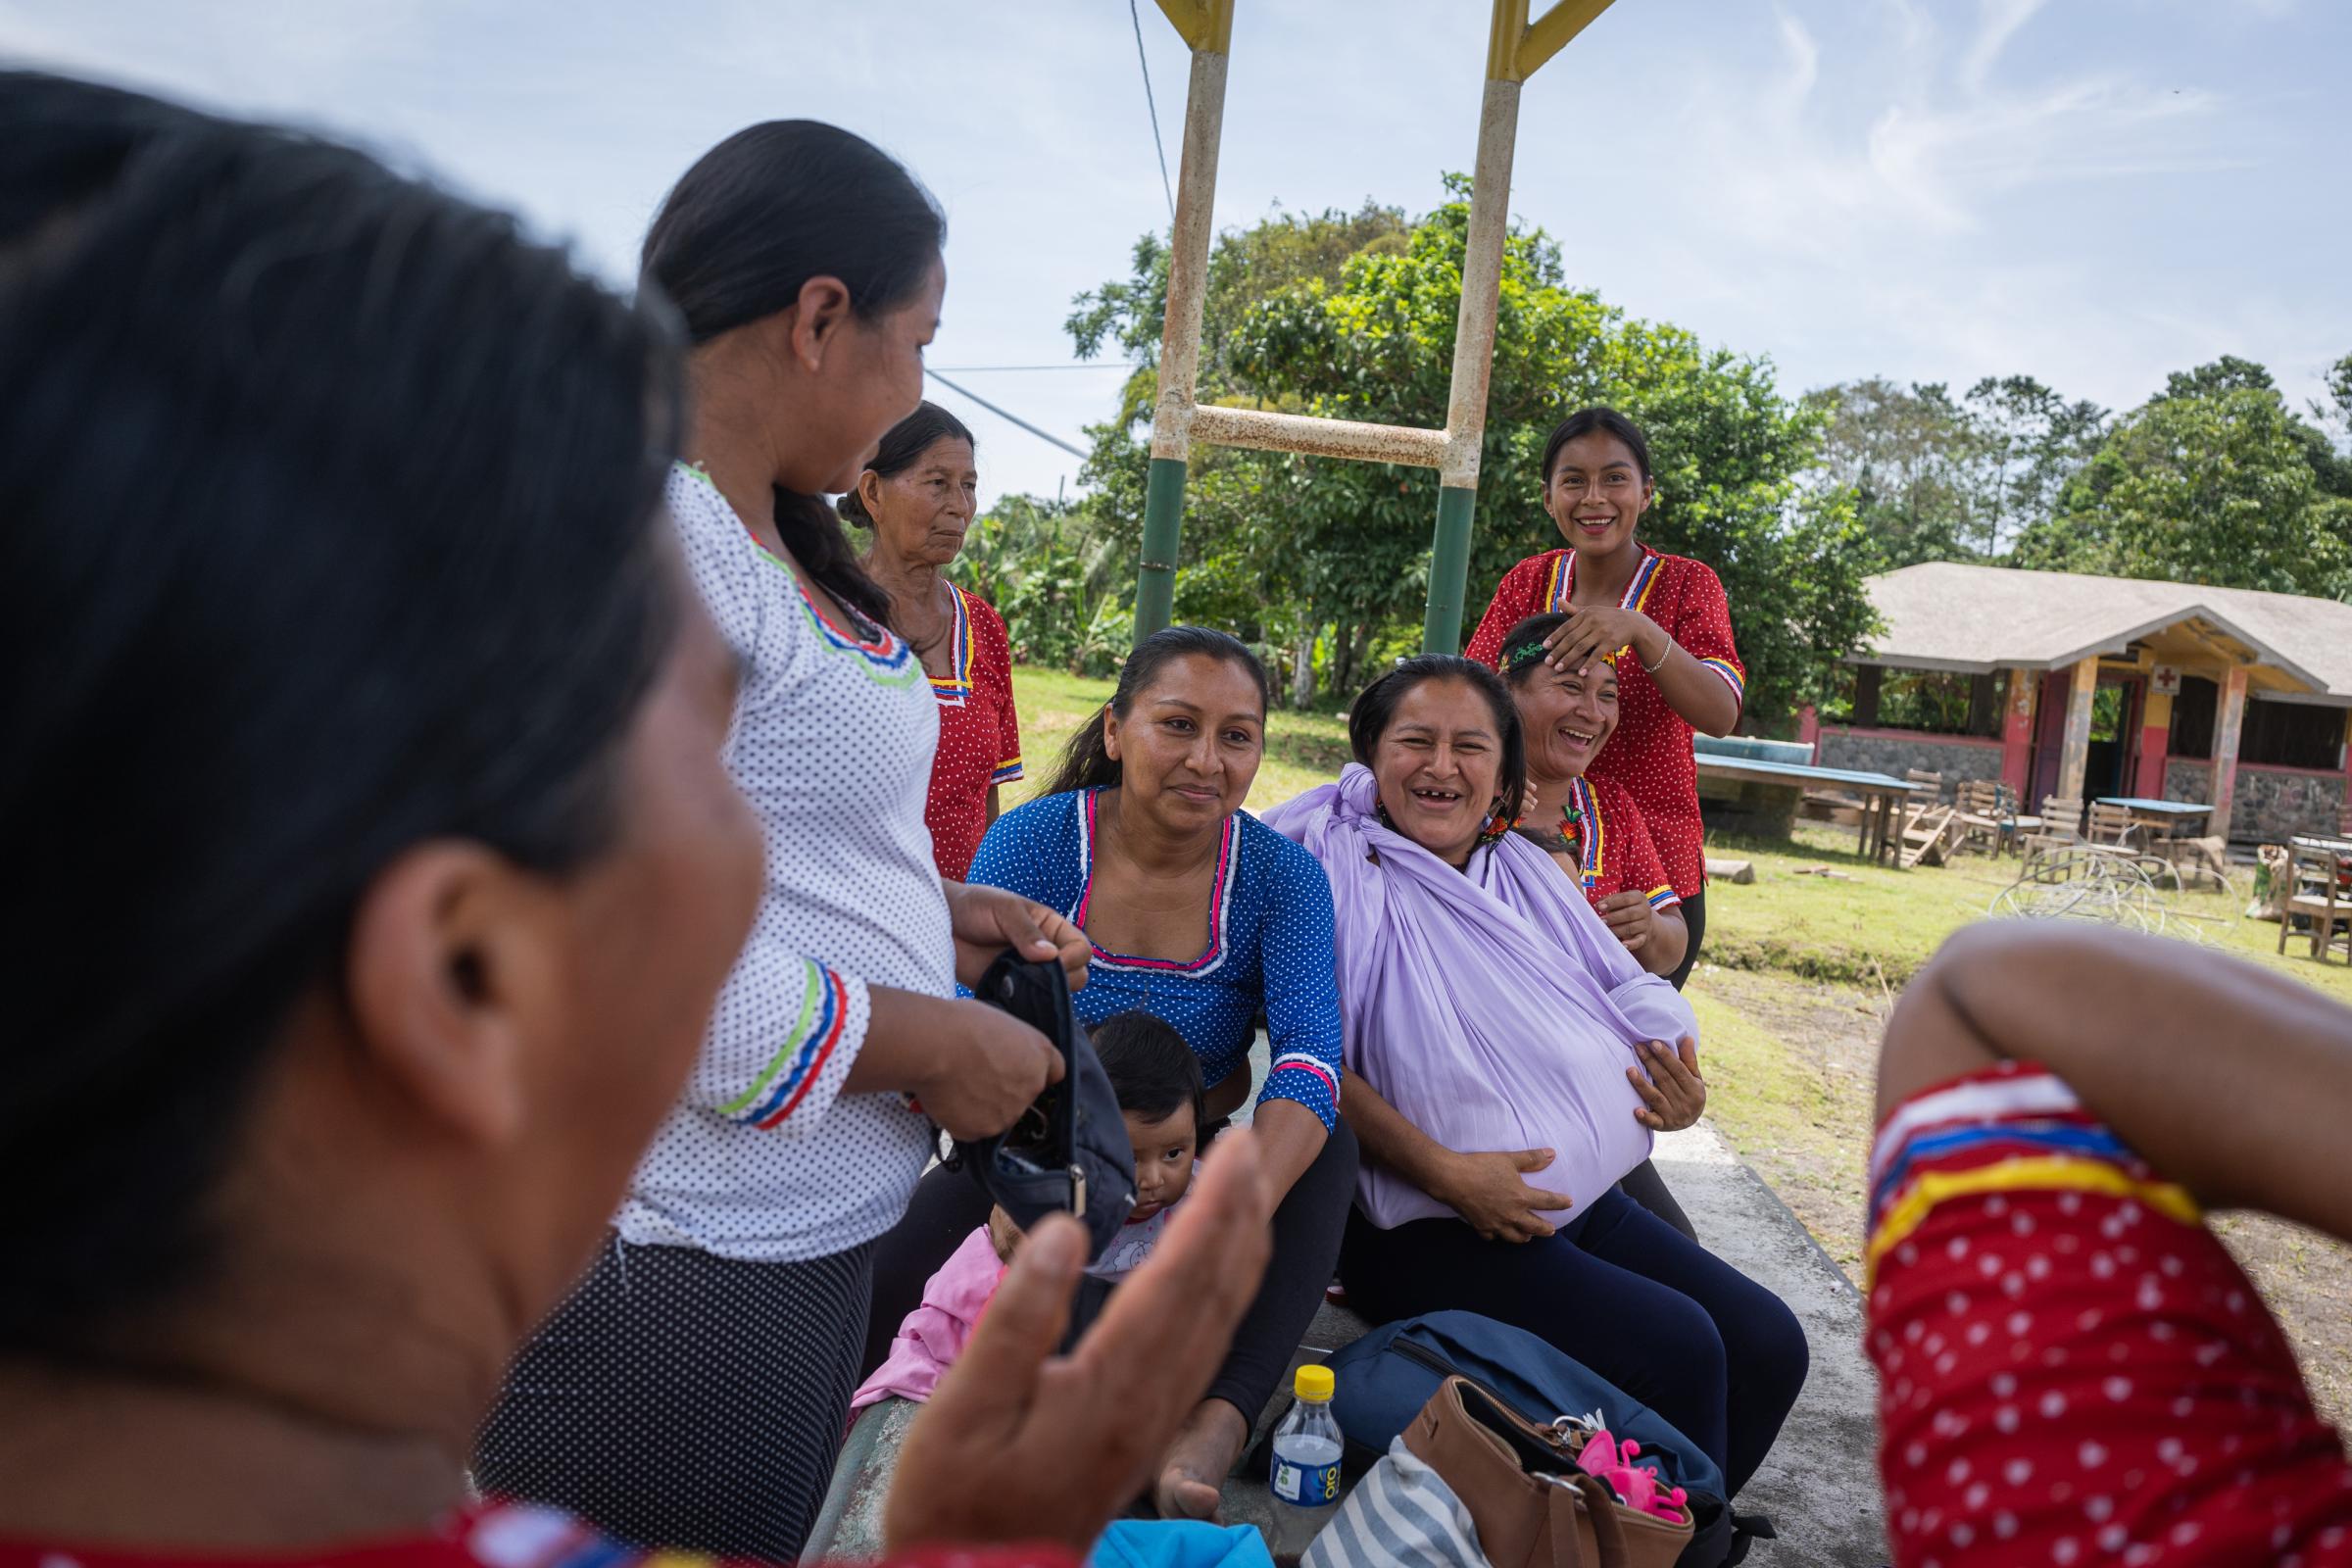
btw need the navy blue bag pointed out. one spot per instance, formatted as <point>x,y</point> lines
<point>1385,1378</point>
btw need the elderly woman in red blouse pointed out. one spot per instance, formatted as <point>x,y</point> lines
<point>919,495</point>
<point>1665,619</point>
<point>1600,840</point>
<point>1590,825</point>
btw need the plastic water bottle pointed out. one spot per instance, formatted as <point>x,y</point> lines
<point>1306,1465</point>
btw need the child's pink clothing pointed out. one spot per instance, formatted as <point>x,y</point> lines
<point>934,1334</point>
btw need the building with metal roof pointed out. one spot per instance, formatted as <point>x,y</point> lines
<point>2069,685</point>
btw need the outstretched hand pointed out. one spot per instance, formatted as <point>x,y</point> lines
<point>1022,1444</point>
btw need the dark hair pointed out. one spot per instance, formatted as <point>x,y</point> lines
<point>1152,1072</point>
<point>1606,420</point>
<point>1086,764</point>
<point>1516,672</point>
<point>903,445</point>
<point>327,526</point>
<point>1371,715</point>
<point>760,214</point>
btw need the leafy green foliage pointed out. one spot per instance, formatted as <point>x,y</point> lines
<point>1353,316</point>
<point>1942,478</point>
<point>2212,481</point>
<point>1055,578</point>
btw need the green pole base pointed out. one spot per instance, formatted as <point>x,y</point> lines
<point>1448,570</point>
<point>1163,528</point>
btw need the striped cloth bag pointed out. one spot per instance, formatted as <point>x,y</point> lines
<point>1402,1515</point>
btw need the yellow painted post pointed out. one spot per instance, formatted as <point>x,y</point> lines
<point>1208,25</point>
<point>1515,49</point>
<point>2074,751</point>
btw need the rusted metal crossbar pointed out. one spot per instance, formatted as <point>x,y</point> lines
<point>1515,49</point>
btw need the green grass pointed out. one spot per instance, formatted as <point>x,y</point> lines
<point>1877,925</point>
<point>1797,1119</point>
<point>1303,750</point>
<point>1871,928</point>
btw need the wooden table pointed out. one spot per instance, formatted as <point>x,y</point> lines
<point>1882,796</point>
<point>2166,817</point>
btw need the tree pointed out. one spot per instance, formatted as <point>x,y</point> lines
<point>1379,346</point>
<point>2335,409</point>
<point>1235,566</point>
<point>1938,478</point>
<point>1056,579</point>
<point>2224,375</point>
<point>2211,481</point>
<point>2029,443</point>
<point>1912,459</point>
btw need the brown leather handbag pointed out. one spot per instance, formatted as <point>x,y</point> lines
<point>1534,1509</point>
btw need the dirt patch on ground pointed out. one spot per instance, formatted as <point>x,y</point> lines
<point>1790,1068</point>
<point>2307,1280</point>
<point>1790,1082</point>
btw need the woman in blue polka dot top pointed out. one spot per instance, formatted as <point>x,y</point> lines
<point>1202,915</point>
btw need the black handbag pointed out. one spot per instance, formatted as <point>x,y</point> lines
<point>1068,1152</point>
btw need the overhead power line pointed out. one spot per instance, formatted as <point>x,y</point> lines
<point>1004,414</point>
<point>1166,190</point>
<point>1079,364</point>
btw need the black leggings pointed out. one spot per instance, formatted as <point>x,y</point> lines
<point>683,1400</point>
<point>948,1207</point>
<point>1660,1317</point>
<point>1694,916</point>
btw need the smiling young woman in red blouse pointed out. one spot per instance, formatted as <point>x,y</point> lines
<point>1664,615</point>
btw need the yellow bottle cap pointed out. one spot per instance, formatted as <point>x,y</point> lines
<point>1313,1382</point>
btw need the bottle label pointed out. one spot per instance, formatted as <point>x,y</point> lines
<point>1308,1486</point>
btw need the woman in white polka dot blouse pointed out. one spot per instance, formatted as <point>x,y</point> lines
<point>695,1389</point>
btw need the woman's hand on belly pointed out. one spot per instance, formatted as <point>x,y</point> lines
<point>1489,1193</point>
<point>1673,1093</point>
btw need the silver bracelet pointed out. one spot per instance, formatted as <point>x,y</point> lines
<point>1653,669</point>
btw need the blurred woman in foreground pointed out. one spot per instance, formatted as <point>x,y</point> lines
<point>377,872</point>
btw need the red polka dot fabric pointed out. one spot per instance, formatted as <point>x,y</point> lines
<point>1650,753</point>
<point>979,733</point>
<point>2072,1369</point>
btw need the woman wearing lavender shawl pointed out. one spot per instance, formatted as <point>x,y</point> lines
<point>1490,1018</point>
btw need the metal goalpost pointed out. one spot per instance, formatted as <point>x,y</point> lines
<point>1516,48</point>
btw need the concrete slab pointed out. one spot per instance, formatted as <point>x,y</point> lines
<point>1819,1486</point>
<point>1821,1481</point>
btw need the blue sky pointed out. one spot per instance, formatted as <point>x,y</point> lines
<point>2090,191</point>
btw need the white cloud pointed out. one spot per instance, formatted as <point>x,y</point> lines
<point>1933,189</point>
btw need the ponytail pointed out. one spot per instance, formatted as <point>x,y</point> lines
<point>812,533</point>
<point>1086,761</point>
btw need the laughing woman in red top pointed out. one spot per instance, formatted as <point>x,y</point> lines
<point>1664,615</point>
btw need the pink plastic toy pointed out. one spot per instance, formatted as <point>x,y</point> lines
<point>1636,1485</point>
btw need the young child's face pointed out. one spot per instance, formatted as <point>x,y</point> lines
<point>1163,1158</point>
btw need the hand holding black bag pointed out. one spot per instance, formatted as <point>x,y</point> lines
<point>1067,1152</point>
